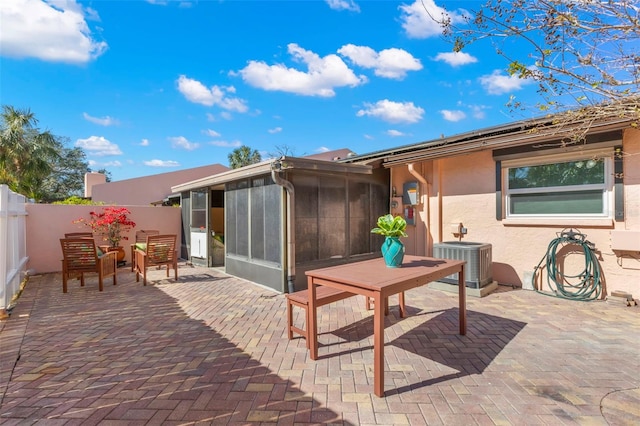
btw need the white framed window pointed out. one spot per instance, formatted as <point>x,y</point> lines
<point>569,185</point>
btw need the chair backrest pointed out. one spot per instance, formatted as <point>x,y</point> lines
<point>161,248</point>
<point>141,235</point>
<point>78,235</point>
<point>80,254</point>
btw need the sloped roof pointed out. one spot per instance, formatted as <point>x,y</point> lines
<point>503,136</point>
<point>149,189</point>
<point>309,163</point>
<point>338,154</point>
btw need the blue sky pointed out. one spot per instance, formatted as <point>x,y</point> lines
<point>147,87</point>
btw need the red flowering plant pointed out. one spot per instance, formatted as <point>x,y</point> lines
<point>110,223</point>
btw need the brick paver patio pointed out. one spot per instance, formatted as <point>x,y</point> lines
<point>213,349</point>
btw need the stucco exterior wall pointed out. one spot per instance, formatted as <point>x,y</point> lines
<point>145,190</point>
<point>631,154</point>
<point>92,179</point>
<point>47,223</point>
<point>462,190</point>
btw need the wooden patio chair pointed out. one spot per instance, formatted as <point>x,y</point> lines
<point>79,235</point>
<point>80,255</point>
<point>141,242</point>
<point>159,251</point>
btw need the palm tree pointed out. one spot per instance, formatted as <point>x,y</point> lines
<point>243,156</point>
<point>27,155</point>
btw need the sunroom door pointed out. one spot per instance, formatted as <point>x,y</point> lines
<point>199,227</point>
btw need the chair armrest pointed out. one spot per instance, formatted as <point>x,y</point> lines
<point>140,257</point>
<point>109,256</point>
<point>108,262</point>
<point>139,252</point>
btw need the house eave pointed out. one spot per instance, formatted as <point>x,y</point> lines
<point>265,167</point>
<point>505,136</point>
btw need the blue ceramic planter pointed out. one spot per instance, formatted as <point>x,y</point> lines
<point>393,252</point>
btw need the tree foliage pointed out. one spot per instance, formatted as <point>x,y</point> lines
<point>76,200</point>
<point>26,154</point>
<point>243,156</point>
<point>583,54</point>
<point>36,163</point>
<point>67,175</point>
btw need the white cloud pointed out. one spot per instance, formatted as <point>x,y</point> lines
<point>98,146</point>
<point>323,149</point>
<point>453,115</point>
<point>456,59</point>
<point>389,63</point>
<point>369,137</point>
<point>478,111</point>
<point>104,121</point>
<point>181,4</point>
<point>198,93</point>
<point>182,142</point>
<point>226,115</point>
<point>94,165</point>
<point>394,133</point>
<point>226,144</point>
<point>349,5</point>
<point>421,19</point>
<point>323,75</point>
<point>393,112</point>
<point>52,30</point>
<point>497,83</point>
<point>275,130</point>
<point>211,133</point>
<point>161,163</point>
<point>144,142</point>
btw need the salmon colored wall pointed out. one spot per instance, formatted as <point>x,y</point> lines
<point>47,223</point>
<point>418,234</point>
<point>462,189</point>
<point>92,179</point>
<point>145,190</point>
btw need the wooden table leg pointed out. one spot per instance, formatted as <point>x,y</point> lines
<point>312,320</point>
<point>378,345</point>
<point>462,299</point>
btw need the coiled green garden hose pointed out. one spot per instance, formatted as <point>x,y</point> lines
<point>584,286</point>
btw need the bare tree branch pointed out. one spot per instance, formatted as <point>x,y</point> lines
<point>583,54</point>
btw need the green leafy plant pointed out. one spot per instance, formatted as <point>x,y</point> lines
<point>391,226</point>
<point>75,200</point>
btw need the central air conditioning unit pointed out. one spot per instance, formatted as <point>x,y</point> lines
<point>477,271</point>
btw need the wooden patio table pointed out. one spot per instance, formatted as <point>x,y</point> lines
<point>374,279</point>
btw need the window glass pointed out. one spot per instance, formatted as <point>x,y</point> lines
<point>573,202</point>
<point>199,200</point>
<point>559,187</point>
<point>198,209</point>
<point>559,174</point>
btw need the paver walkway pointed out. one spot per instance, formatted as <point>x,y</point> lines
<point>213,349</point>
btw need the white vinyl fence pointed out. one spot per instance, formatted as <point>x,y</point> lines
<point>13,245</point>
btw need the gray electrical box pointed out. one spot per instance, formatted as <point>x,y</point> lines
<point>410,194</point>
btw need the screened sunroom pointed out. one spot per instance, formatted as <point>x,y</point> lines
<point>272,221</point>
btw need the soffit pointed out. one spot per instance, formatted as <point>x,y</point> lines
<point>515,134</point>
<point>278,164</point>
